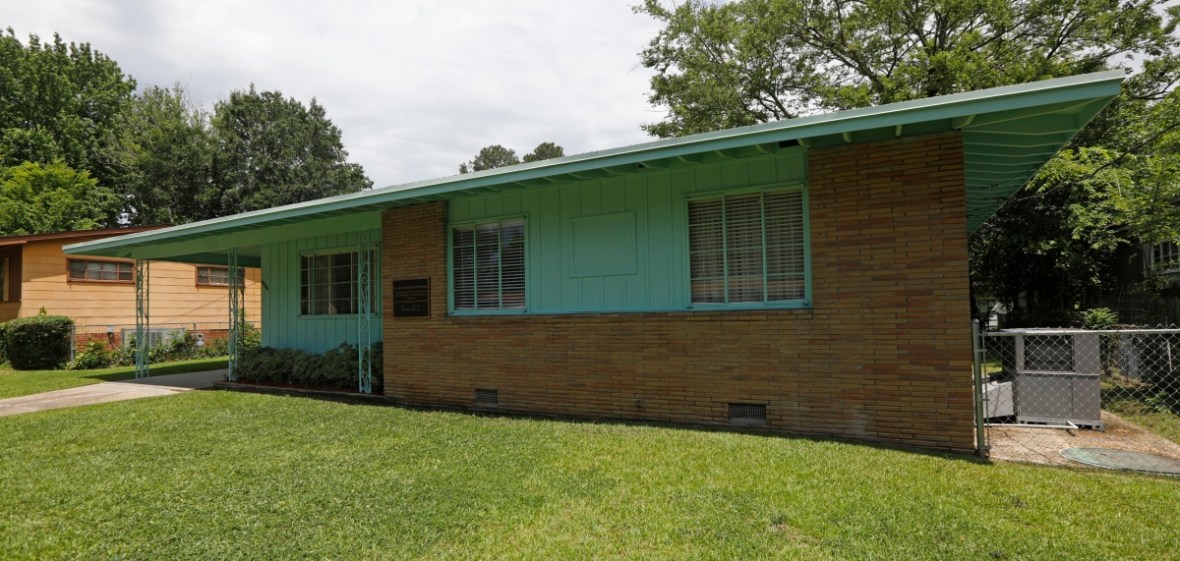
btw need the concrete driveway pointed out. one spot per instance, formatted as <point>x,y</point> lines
<point>111,391</point>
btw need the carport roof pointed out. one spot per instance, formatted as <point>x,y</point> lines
<point>1008,134</point>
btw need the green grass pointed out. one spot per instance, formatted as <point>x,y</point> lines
<point>1153,417</point>
<point>225,475</point>
<point>15,383</point>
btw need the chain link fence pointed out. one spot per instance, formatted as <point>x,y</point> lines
<point>1054,395</point>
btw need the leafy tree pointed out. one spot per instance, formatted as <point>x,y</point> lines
<point>544,151</point>
<point>271,150</point>
<point>1054,245</point>
<point>164,146</point>
<point>496,156</point>
<point>41,198</point>
<point>721,65</point>
<point>489,157</point>
<point>59,101</point>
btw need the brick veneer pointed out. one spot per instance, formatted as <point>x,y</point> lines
<point>884,355</point>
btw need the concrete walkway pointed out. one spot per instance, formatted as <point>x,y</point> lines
<point>111,391</point>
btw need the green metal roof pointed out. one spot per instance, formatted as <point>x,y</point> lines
<point>1008,134</point>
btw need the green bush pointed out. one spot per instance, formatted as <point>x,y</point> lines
<point>1099,318</point>
<point>38,343</point>
<point>95,355</point>
<point>336,368</point>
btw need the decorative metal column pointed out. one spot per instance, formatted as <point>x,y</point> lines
<point>364,313</point>
<point>142,318</point>
<point>237,313</point>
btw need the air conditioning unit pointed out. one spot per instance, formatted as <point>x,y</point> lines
<point>1057,381</point>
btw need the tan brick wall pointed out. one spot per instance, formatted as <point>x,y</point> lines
<point>884,355</point>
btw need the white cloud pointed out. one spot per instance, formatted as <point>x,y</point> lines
<point>416,86</point>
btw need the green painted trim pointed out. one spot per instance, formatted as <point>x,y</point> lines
<point>1097,87</point>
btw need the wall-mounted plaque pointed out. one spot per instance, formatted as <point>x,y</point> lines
<point>411,298</point>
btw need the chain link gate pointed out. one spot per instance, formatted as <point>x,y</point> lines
<point>1058,396</point>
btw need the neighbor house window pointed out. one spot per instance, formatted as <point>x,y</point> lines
<point>487,266</point>
<point>747,248</point>
<point>327,283</point>
<point>218,276</point>
<point>100,271</point>
<point>1165,256</point>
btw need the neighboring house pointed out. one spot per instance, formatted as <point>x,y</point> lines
<point>806,276</point>
<point>99,293</point>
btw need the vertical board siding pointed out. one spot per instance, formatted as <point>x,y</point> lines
<point>655,198</point>
<point>286,328</point>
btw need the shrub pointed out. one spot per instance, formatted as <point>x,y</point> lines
<point>95,355</point>
<point>333,369</point>
<point>38,343</point>
<point>1099,318</point>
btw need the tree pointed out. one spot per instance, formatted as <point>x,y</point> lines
<point>721,65</point>
<point>544,151</point>
<point>164,146</point>
<point>41,198</point>
<point>496,156</point>
<point>729,64</point>
<point>271,150</point>
<point>59,101</point>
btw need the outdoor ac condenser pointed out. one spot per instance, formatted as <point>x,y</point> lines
<point>1057,378</point>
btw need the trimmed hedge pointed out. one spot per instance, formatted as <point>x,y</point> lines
<point>38,342</point>
<point>333,369</point>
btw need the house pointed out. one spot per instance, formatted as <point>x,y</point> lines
<point>99,293</point>
<point>806,276</point>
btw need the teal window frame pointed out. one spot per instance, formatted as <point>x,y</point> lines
<point>451,227</point>
<point>797,303</point>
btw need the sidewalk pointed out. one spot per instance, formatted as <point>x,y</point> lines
<point>111,391</point>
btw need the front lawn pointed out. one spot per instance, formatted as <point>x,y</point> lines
<point>225,475</point>
<point>15,383</point>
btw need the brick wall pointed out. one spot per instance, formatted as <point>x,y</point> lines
<point>884,355</point>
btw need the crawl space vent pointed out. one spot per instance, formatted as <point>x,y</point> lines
<point>747,412</point>
<point>487,397</point>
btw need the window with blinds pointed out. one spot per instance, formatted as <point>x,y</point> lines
<point>487,266</point>
<point>218,276</point>
<point>327,283</point>
<point>747,248</point>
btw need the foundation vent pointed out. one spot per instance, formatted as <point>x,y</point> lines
<point>487,397</point>
<point>747,413</point>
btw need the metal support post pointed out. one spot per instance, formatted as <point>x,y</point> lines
<point>142,318</point>
<point>364,303</point>
<point>977,358</point>
<point>236,314</point>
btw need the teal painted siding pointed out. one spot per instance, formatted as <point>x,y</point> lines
<point>280,295</point>
<point>619,244</point>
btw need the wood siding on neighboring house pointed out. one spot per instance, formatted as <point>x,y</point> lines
<point>96,306</point>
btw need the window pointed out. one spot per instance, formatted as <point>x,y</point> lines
<point>1165,256</point>
<point>100,271</point>
<point>487,266</point>
<point>218,276</point>
<point>327,283</point>
<point>747,248</point>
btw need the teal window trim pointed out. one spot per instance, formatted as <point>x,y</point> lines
<point>375,259</point>
<point>451,227</point>
<point>799,303</point>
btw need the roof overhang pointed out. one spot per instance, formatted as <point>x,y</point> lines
<point>1008,134</point>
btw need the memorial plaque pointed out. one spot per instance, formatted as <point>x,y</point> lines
<point>411,298</point>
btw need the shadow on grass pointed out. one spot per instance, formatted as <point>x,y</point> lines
<point>128,372</point>
<point>353,398</point>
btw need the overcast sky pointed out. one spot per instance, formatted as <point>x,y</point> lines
<point>416,86</point>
